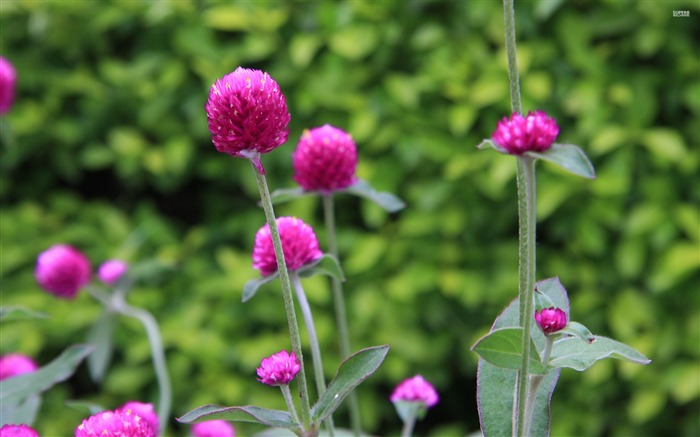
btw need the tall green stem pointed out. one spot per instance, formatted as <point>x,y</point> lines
<point>509,18</point>
<point>286,294</point>
<point>341,317</point>
<point>535,381</point>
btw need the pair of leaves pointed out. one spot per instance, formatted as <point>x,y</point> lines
<point>355,369</point>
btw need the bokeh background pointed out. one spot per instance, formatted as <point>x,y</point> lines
<point>107,149</point>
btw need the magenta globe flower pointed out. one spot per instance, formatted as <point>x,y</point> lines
<point>143,410</point>
<point>415,389</point>
<point>16,364</point>
<point>550,320</point>
<point>111,271</point>
<point>299,245</point>
<point>119,423</point>
<point>62,270</point>
<point>247,115</point>
<point>8,81</point>
<point>18,431</point>
<point>213,428</point>
<point>325,159</point>
<point>278,369</point>
<point>534,133</point>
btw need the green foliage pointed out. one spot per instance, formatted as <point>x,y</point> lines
<point>107,148</point>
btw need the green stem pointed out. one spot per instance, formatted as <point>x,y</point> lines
<point>341,317</point>
<point>535,381</point>
<point>287,394</point>
<point>514,77</point>
<point>286,294</point>
<point>409,423</point>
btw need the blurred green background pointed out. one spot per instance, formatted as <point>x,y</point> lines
<point>107,148</point>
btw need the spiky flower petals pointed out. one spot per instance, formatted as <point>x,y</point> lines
<point>16,364</point>
<point>18,431</point>
<point>213,428</point>
<point>118,423</point>
<point>534,133</point>
<point>8,81</point>
<point>145,411</point>
<point>62,270</point>
<point>111,271</point>
<point>550,320</point>
<point>278,369</point>
<point>415,389</point>
<point>247,114</point>
<point>299,245</point>
<point>325,159</point>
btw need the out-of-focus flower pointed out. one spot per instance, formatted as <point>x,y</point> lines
<point>299,245</point>
<point>415,389</point>
<point>119,423</point>
<point>534,133</point>
<point>16,364</point>
<point>213,428</point>
<point>325,159</point>
<point>550,320</point>
<point>278,369</point>
<point>8,81</point>
<point>145,411</point>
<point>247,114</point>
<point>18,431</point>
<point>62,270</point>
<point>111,271</point>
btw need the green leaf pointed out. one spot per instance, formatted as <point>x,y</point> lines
<point>100,336</point>
<point>490,144</point>
<point>580,331</point>
<point>251,287</point>
<point>25,412</point>
<point>575,353</point>
<point>286,194</point>
<point>568,157</point>
<point>14,390</point>
<point>326,265</point>
<point>385,200</point>
<point>250,413</point>
<point>355,369</point>
<point>15,312</point>
<point>504,348</point>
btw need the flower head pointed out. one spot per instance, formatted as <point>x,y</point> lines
<point>213,428</point>
<point>16,364</point>
<point>534,133</point>
<point>415,389</point>
<point>118,423</point>
<point>62,270</point>
<point>550,320</point>
<point>8,80</point>
<point>247,114</point>
<point>143,410</point>
<point>18,431</point>
<point>325,159</point>
<point>278,369</point>
<point>299,245</point>
<point>111,271</point>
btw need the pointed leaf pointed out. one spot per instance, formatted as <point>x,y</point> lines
<point>355,369</point>
<point>568,157</point>
<point>504,348</point>
<point>15,312</point>
<point>25,412</point>
<point>251,287</point>
<point>286,194</point>
<point>100,336</point>
<point>488,143</point>
<point>326,265</point>
<point>574,353</point>
<point>250,413</point>
<point>580,331</point>
<point>385,200</point>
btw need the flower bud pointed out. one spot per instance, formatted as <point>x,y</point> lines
<point>534,133</point>
<point>111,271</point>
<point>415,389</point>
<point>8,81</point>
<point>550,320</point>
<point>62,270</point>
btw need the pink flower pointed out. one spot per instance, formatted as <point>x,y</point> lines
<point>145,411</point>
<point>16,364</point>
<point>111,271</point>
<point>247,115</point>
<point>8,80</point>
<point>415,389</point>
<point>550,320</point>
<point>278,369</point>
<point>534,133</point>
<point>18,431</point>
<point>213,428</point>
<point>325,159</point>
<point>62,270</point>
<point>299,245</point>
<point>119,423</point>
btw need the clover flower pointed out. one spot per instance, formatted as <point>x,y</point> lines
<point>111,271</point>
<point>299,245</point>
<point>325,159</point>
<point>62,270</point>
<point>21,430</point>
<point>415,389</point>
<point>143,410</point>
<point>8,81</point>
<point>16,364</point>
<point>278,369</point>
<point>550,320</point>
<point>534,133</point>
<point>213,428</point>
<point>247,115</point>
<point>118,423</point>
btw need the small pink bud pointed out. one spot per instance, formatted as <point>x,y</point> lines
<point>550,320</point>
<point>8,81</point>
<point>111,271</point>
<point>118,423</point>
<point>62,270</point>
<point>145,411</point>
<point>299,245</point>
<point>213,428</point>
<point>16,364</point>
<point>415,389</point>
<point>278,369</point>
<point>18,431</point>
<point>534,133</point>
